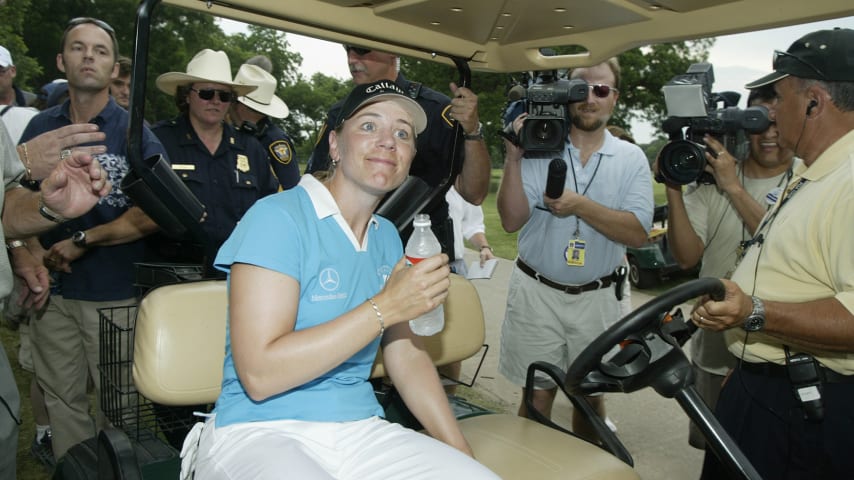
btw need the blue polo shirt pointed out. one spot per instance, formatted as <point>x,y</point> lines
<point>617,176</point>
<point>102,273</point>
<point>335,275</point>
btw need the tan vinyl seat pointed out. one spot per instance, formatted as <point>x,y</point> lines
<point>178,357</point>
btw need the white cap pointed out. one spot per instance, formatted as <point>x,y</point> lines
<point>5,57</point>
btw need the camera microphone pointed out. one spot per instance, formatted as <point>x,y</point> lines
<point>556,178</point>
<point>516,92</point>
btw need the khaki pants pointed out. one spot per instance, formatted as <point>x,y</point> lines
<point>65,342</point>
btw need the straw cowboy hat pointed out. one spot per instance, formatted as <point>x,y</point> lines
<point>207,66</point>
<point>264,99</point>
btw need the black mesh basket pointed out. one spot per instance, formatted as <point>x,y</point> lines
<point>123,406</point>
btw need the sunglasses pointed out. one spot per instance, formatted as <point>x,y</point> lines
<point>100,23</point>
<point>358,50</point>
<point>208,94</point>
<point>780,56</point>
<point>601,90</point>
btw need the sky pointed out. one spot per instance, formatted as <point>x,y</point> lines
<point>737,59</point>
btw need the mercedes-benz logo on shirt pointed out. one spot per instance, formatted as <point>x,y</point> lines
<point>329,279</point>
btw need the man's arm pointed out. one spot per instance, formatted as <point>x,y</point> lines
<point>130,226</point>
<point>618,225</point>
<point>473,181</point>
<point>724,171</point>
<point>512,202</point>
<point>72,189</point>
<point>824,324</point>
<point>685,244</point>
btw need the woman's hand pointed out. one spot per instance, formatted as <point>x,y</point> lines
<point>411,291</point>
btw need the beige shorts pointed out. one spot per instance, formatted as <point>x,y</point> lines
<point>545,324</point>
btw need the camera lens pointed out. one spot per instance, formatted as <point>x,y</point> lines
<point>543,134</point>
<point>682,162</point>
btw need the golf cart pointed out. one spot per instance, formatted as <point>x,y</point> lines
<point>652,262</point>
<point>500,36</point>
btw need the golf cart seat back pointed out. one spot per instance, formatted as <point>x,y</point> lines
<point>178,357</point>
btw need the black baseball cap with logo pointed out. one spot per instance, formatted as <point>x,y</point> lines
<point>822,55</point>
<point>374,92</point>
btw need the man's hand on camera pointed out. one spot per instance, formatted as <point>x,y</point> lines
<point>722,165</point>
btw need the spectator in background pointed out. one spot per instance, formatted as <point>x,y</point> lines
<point>120,85</point>
<point>226,169</point>
<point>468,225</point>
<point>254,112</point>
<point>92,256</point>
<point>710,223</point>
<point>10,94</point>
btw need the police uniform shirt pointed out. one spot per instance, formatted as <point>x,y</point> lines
<point>227,182</point>
<point>433,161</point>
<point>280,150</point>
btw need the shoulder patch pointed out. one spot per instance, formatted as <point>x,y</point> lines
<point>281,151</point>
<point>446,115</point>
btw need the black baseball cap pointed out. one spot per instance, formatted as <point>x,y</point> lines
<point>374,92</point>
<point>822,55</point>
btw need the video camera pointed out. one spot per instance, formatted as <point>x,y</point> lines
<point>693,111</point>
<point>546,99</point>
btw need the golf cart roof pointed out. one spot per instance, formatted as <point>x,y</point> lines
<point>506,35</point>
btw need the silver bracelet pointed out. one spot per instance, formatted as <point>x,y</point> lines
<point>379,316</point>
<point>48,213</point>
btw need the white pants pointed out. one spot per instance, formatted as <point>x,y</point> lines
<point>366,449</point>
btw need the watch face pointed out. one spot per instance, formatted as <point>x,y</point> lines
<point>754,324</point>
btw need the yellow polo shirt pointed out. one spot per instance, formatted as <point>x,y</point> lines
<point>807,254</point>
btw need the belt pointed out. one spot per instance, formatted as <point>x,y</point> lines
<point>570,289</point>
<point>775,370</point>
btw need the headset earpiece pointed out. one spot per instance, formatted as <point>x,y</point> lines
<point>811,105</point>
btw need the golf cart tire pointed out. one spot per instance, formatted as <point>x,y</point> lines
<point>640,277</point>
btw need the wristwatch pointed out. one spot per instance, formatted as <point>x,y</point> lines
<point>477,135</point>
<point>78,238</point>
<point>756,320</point>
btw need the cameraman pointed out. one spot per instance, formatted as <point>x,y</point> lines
<point>561,292</point>
<point>711,222</point>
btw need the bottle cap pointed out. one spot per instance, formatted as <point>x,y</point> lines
<point>422,220</point>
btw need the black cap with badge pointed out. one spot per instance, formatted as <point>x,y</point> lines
<point>373,92</point>
<point>822,55</point>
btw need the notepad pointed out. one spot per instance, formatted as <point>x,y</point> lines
<point>476,271</point>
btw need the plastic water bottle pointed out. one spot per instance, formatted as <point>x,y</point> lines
<point>423,244</point>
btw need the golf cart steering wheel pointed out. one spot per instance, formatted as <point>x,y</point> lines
<point>647,346</point>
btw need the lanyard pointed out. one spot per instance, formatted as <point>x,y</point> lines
<point>759,237</point>
<point>575,182</point>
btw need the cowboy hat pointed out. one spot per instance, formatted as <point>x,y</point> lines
<point>206,66</point>
<point>264,99</point>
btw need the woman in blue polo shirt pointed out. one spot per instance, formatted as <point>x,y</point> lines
<point>306,321</point>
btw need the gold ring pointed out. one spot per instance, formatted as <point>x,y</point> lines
<point>65,154</point>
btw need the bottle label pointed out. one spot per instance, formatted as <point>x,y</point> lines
<point>413,260</point>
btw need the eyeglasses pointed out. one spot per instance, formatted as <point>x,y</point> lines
<point>601,90</point>
<point>360,51</point>
<point>100,23</point>
<point>779,55</point>
<point>208,94</point>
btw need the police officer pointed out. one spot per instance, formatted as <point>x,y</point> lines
<point>252,113</point>
<point>433,161</point>
<point>226,169</point>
